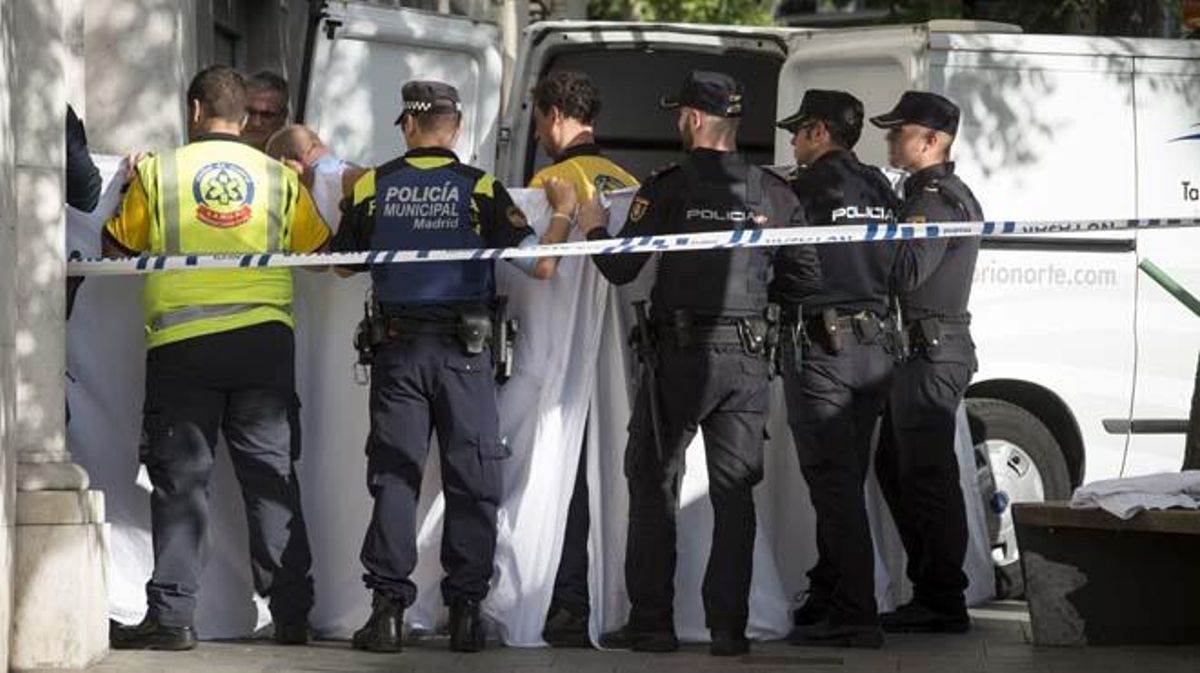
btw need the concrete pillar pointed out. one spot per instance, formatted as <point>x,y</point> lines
<point>7,346</point>
<point>60,609</point>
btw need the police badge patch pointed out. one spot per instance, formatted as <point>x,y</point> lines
<point>517,218</point>
<point>638,209</point>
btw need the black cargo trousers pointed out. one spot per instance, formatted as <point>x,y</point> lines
<point>917,465</point>
<point>240,383</point>
<point>723,392</point>
<point>420,384</point>
<point>834,402</point>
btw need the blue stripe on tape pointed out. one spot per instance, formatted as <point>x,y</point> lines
<point>932,231</point>
<point>141,263</point>
<point>872,232</point>
<point>264,260</point>
<point>245,261</point>
<point>192,260</point>
<point>160,262</point>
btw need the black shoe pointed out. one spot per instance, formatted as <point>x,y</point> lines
<point>828,634</point>
<point>466,627</point>
<point>566,628</point>
<point>628,638</point>
<point>728,643</point>
<point>384,630</point>
<point>150,635</point>
<point>814,609</point>
<point>291,634</point>
<point>914,617</point>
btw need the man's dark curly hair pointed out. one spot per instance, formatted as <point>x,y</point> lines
<point>569,91</point>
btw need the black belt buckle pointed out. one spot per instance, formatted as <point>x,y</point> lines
<point>681,328</point>
<point>833,331</point>
<point>754,341</point>
<point>475,332</point>
<point>931,331</point>
<point>867,326</point>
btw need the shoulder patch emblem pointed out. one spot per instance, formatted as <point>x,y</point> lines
<point>638,209</point>
<point>517,218</point>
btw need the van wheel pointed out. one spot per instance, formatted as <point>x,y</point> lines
<point>1027,465</point>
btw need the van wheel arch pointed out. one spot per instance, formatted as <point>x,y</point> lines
<point>1049,408</point>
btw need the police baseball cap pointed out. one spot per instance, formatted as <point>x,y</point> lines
<point>827,106</point>
<point>712,92</point>
<point>924,109</point>
<point>426,96</point>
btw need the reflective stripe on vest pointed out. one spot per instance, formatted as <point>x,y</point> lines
<point>193,313</point>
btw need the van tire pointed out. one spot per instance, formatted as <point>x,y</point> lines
<point>998,421</point>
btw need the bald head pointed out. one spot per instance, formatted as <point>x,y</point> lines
<point>297,143</point>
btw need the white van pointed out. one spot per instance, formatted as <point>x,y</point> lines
<point>1086,366</point>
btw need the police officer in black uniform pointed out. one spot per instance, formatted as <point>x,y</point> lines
<point>707,368</point>
<point>837,364</point>
<point>916,462</point>
<point>430,338</point>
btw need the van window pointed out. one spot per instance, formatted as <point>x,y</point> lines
<point>633,131</point>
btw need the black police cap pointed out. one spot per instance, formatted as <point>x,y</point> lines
<point>924,109</point>
<point>827,106</point>
<point>714,93</point>
<point>426,96</point>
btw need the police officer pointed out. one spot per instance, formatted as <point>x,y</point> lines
<point>220,357</point>
<point>917,464</point>
<point>707,367</point>
<point>430,334</point>
<point>837,364</point>
<point>565,107</point>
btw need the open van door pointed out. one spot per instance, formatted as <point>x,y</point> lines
<point>632,65</point>
<point>359,56</point>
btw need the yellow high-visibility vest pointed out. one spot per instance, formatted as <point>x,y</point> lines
<point>211,197</point>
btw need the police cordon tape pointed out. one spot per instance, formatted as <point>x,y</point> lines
<point>716,240</point>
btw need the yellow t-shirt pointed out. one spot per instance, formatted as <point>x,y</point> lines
<point>591,172</point>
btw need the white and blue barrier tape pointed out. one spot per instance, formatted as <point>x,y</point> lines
<point>741,238</point>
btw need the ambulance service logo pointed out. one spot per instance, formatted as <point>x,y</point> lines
<point>223,194</point>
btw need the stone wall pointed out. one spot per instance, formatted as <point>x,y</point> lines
<point>7,280</point>
<point>139,56</point>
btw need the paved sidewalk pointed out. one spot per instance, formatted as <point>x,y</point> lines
<point>998,644</point>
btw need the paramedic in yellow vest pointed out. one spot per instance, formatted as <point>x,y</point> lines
<point>566,104</point>
<point>220,359</point>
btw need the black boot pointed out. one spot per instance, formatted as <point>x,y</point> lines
<point>814,609</point>
<point>466,627</point>
<point>638,640</point>
<point>291,634</point>
<point>915,617</point>
<point>826,633</point>
<point>566,627</point>
<point>728,643</point>
<point>383,631</point>
<point>150,635</point>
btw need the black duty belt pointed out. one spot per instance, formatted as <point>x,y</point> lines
<point>699,335</point>
<point>401,327</point>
